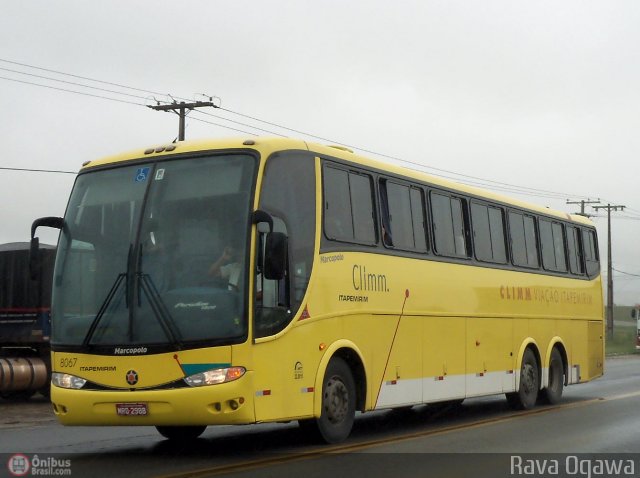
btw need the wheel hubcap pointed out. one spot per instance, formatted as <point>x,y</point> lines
<point>336,399</point>
<point>528,378</point>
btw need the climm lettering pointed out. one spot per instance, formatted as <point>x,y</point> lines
<point>545,295</point>
<point>367,281</point>
<point>515,293</point>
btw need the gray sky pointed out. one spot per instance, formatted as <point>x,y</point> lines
<point>541,95</point>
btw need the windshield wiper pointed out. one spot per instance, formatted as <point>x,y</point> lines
<point>160,310</point>
<point>103,308</point>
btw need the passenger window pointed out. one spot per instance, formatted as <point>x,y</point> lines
<point>592,259</point>
<point>402,216</point>
<point>348,206</point>
<point>552,244</point>
<point>558,245</point>
<point>488,233</point>
<point>522,234</point>
<point>338,223</point>
<point>418,218</point>
<point>448,225</point>
<point>574,249</point>
<point>362,208</point>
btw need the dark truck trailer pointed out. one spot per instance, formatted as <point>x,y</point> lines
<point>25,320</point>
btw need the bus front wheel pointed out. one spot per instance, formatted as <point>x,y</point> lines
<point>338,404</point>
<point>181,433</point>
<point>527,394</point>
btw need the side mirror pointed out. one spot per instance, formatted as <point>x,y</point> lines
<point>275,257</point>
<point>34,258</point>
<point>262,216</point>
<point>634,313</point>
<point>34,248</point>
<point>55,222</point>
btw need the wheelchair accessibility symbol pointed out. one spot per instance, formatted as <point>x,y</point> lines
<point>141,175</point>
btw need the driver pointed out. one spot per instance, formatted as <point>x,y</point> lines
<point>227,267</point>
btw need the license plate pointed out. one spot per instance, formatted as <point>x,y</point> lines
<point>132,409</point>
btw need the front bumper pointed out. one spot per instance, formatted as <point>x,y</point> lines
<point>222,404</point>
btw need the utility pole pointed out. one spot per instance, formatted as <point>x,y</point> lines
<point>583,203</point>
<point>181,110</point>
<point>609,208</point>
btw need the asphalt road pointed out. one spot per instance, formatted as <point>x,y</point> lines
<point>479,438</point>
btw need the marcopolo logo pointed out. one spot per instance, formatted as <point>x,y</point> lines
<point>21,465</point>
<point>129,351</point>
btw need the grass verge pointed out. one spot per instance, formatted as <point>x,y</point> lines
<point>623,341</point>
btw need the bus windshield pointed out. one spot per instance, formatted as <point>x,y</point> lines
<point>156,253</point>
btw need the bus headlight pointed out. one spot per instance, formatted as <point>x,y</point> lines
<point>213,377</point>
<point>64,380</point>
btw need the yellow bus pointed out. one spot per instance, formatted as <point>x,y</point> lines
<point>245,281</point>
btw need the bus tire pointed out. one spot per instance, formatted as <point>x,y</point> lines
<point>527,394</point>
<point>553,392</point>
<point>181,433</point>
<point>338,407</point>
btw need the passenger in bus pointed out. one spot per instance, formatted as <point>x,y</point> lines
<point>386,236</point>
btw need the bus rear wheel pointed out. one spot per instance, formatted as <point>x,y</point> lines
<point>181,433</point>
<point>527,394</point>
<point>553,393</point>
<point>338,404</point>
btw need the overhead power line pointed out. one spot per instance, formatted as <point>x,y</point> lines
<point>70,91</point>
<point>240,123</point>
<point>460,177</point>
<point>625,273</point>
<point>30,170</point>
<point>223,126</point>
<point>620,217</point>
<point>78,76</point>
<point>73,83</point>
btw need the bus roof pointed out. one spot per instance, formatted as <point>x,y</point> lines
<point>267,145</point>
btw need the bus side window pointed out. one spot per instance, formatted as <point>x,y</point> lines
<point>385,215</point>
<point>589,243</point>
<point>418,215</point>
<point>449,225</point>
<point>558,245</point>
<point>488,233</point>
<point>361,190</point>
<point>574,247</point>
<point>272,310</point>
<point>337,219</point>
<point>403,224</point>
<point>288,195</point>
<point>522,234</point>
<point>552,244</point>
<point>348,206</point>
